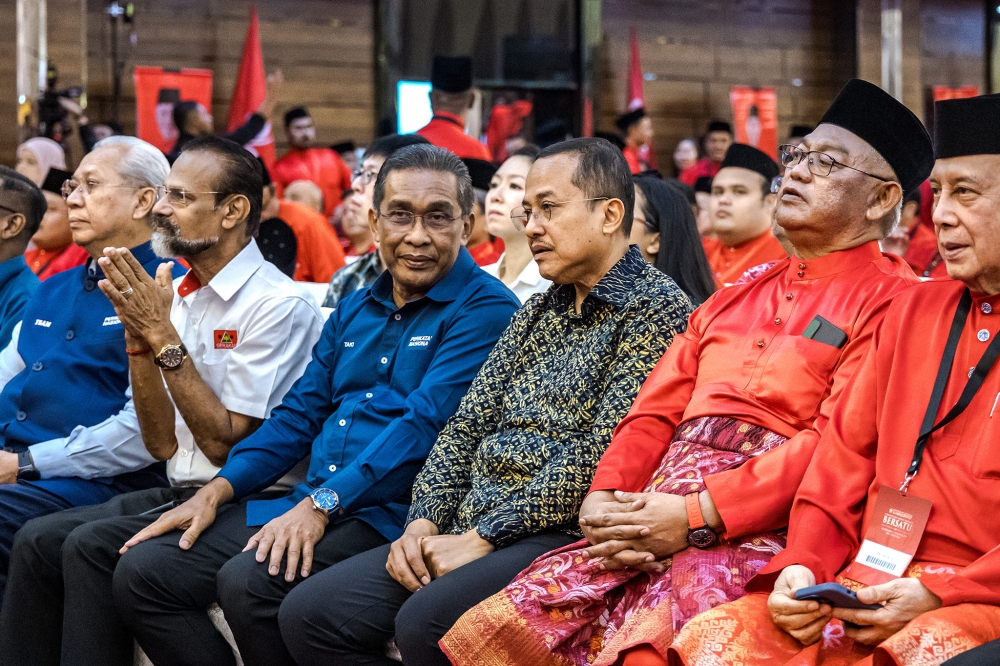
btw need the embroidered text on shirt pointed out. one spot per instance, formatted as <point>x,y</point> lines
<point>42,322</point>
<point>111,321</point>
<point>420,340</point>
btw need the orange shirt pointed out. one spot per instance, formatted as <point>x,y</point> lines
<point>319,254</point>
<point>320,165</point>
<point>446,130</point>
<point>869,442</point>
<point>728,264</point>
<point>46,263</point>
<point>743,355</point>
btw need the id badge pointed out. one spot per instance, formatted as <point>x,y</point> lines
<point>897,524</point>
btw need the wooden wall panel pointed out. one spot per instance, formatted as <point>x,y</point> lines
<point>8,81</point>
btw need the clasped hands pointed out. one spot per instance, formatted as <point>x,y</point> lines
<point>422,554</point>
<point>904,599</point>
<point>636,530</point>
<point>141,302</point>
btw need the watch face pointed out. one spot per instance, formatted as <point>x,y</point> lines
<point>702,538</point>
<point>171,356</point>
<point>325,499</point>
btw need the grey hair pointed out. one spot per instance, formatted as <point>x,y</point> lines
<point>425,157</point>
<point>888,222</point>
<point>142,165</point>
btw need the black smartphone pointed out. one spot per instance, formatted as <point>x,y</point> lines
<point>821,330</point>
<point>833,594</point>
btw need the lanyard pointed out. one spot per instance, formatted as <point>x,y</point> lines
<point>944,370</point>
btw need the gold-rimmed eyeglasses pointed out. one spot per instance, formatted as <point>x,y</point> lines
<point>87,187</point>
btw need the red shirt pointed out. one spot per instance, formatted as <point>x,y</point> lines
<point>869,442</point>
<point>922,255</point>
<point>703,167</point>
<point>46,263</point>
<point>728,264</point>
<point>319,165</point>
<point>319,254</point>
<point>743,355</point>
<point>488,253</point>
<point>446,130</point>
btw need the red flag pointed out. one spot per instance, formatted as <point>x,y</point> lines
<point>636,98</point>
<point>250,91</point>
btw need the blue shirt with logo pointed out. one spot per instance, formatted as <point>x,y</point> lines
<point>76,368</point>
<point>17,284</point>
<point>382,382</point>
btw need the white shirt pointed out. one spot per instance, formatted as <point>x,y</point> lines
<point>249,333</point>
<point>527,284</point>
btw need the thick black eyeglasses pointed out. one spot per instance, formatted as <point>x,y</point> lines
<point>820,164</point>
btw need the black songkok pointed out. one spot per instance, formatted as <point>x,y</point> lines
<point>748,157</point>
<point>703,185</point>
<point>295,114</point>
<point>55,179</point>
<point>967,127</point>
<point>719,126</point>
<point>890,128</point>
<point>265,175</point>
<point>451,75</point>
<point>626,120</point>
<point>801,131</point>
<point>480,171</point>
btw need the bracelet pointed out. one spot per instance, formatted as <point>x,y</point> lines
<point>138,352</point>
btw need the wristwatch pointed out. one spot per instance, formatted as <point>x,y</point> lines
<point>171,356</point>
<point>26,467</point>
<point>700,535</point>
<point>325,499</point>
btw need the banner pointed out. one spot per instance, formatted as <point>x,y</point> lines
<point>250,91</point>
<point>156,92</point>
<point>755,118</point>
<point>944,92</point>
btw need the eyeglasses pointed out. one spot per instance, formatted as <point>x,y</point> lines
<point>403,220</point>
<point>819,163</point>
<point>520,215</point>
<point>368,175</point>
<point>87,187</point>
<point>177,196</point>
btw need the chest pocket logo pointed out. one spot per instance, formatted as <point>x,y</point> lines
<point>420,341</point>
<point>111,321</point>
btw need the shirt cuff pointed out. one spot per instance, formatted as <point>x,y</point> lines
<point>726,501</point>
<point>50,458</point>
<point>349,484</point>
<point>241,475</point>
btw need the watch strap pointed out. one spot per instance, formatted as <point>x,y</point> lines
<point>692,503</point>
<point>26,466</point>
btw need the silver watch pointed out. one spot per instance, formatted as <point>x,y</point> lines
<point>325,499</point>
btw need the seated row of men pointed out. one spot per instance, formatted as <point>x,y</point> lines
<point>458,446</point>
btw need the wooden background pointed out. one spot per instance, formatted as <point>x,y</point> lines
<point>695,50</point>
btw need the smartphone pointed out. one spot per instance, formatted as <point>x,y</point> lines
<point>821,330</point>
<point>833,594</point>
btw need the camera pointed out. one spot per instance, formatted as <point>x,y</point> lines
<point>51,114</point>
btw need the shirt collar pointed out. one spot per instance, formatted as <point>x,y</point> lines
<point>833,263</point>
<point>11,268</point>
<point>616,287</point>
<point>231,278</point>
<point>142,253</point>
<point>447,116</point>
<point>448,289</point>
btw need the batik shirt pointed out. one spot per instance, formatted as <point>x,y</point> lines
<point>353,276</point>
<point>518,456</point>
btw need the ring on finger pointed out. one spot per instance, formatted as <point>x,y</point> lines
<point>128,292</point>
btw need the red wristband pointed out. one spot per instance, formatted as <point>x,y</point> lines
<point>693,505</point>
<point>138,352</point>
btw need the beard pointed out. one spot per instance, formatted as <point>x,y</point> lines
<point>167,242</point>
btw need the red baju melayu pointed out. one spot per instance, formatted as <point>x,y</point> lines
<point>319,165</point>
<point>715,413</point>
<point>639,159</point>
<point>446,130</point>
<point>46,263</point>
<point>488,253</point>
<point>922,255</point>
<point>702,168</point>
<point>728,264</point>
<point>869,442</point>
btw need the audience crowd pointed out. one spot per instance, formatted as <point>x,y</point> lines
<point>415,405</point>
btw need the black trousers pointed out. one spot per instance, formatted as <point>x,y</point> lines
<point>59,599</point>
<point>162,592</point>
<point>346,614</point>
<point>987,654</point>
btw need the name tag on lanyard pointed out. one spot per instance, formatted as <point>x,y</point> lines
<point>894,531</point>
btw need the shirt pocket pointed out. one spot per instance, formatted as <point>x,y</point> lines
<point>797,376</point>
<point>212,368</point>
<point>986,462</point>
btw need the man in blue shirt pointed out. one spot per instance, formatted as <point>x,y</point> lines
<point>66,368</point>
<point>22,206</point>
<point>391,367</point>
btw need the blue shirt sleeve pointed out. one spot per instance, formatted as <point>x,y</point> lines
<point>287,437</point>
<point>385,469</point>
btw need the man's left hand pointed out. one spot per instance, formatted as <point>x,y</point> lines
<point>905,599</point>
<point>296,531</point>
<point>145,310</point>
<point>8,467</point>
<point>658,528</point>
<point>447,552</point>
